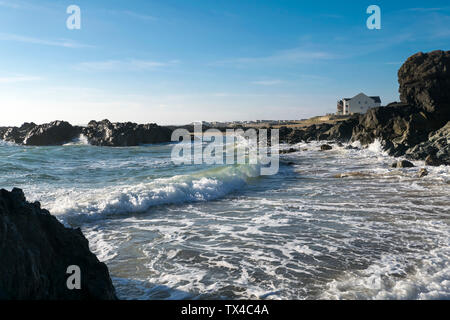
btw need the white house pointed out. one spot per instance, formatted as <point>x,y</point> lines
<point>358,104</point>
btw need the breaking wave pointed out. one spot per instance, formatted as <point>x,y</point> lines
<point>203,186</point>
<point>82,140</point>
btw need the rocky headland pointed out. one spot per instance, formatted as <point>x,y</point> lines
<point>101,133</point>
<point>36,250</point>
<point>417,127</point>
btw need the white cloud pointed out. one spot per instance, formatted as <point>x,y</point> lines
<point>267,82</point>
<point>425,9</point>
<point>295,55</point>
<point>140,16</point>
<point>66,43</point>
<point>123,65</point>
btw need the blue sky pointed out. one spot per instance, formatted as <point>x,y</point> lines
<point>177,61</point>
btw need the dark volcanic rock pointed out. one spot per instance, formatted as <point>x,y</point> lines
<point>105,133</point>
<point>425,81</point>
<point>50,134</point>
<point>36,250</point>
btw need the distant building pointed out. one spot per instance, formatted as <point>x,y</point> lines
<point>358,104</point>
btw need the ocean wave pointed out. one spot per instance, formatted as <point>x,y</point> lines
<point>81,140</point>
<point>202,186</point>
<point>7,143</point>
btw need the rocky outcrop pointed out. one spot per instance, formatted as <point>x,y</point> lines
<point>36,250</point>
<point>105,133</point>
<point>50,134</point>
<point>425,81</point>
<point>16,134</point>
<point>435,150</point>
<point>2,131</point>
<point>415,127</point>
<point>311,133</point>
<point>399,126</point>
<point>343,130</point>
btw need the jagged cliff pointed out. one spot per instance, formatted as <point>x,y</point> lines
<point>36,250</point>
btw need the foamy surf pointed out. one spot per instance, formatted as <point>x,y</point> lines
<point>379,233</point>
<point>202,186</point>
<point>81,140</point>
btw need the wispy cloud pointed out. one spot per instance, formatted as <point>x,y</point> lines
<point>132,14</point>
<point>19,78</point>
<point>124,65</point>
<point>66,43</point>
<point>296,55</point>
<point>267,82</point>
<point>426,9</point>
<point>140,15</point>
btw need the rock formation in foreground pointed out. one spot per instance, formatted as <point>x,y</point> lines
<point>36,250</point>
<point>416,127</point>
<point>103,133</point>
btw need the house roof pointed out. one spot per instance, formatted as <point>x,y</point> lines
<point>374,98</point>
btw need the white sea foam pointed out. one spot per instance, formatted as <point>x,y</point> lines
<point>203,186</point>
<point>297,235</point>
<point>81,140</point>
<point>7,143</point>
<point>390,278</point>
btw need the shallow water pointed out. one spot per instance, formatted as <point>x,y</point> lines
<point>199,232</point>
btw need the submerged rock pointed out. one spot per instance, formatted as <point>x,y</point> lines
<point>36,250</point>
<point>325,147</point>
<point>351,174</point>
<point>422,173</point>
<point>402,164</point>
<point>290,150</point>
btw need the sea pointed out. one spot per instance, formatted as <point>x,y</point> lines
<point>338,224</point>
